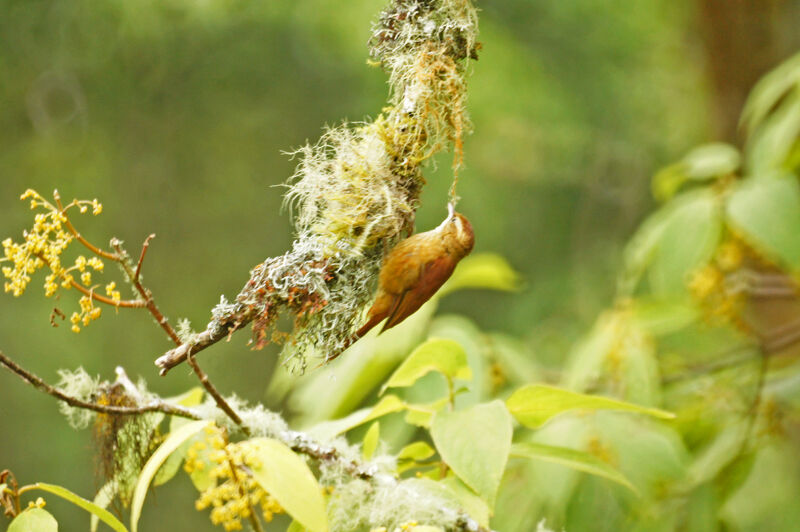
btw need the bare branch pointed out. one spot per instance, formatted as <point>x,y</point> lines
<point>145,246</point>
<point>38,383</point>
<point>199,342</point>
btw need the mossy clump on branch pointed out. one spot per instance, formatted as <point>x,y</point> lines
<point>355,192</point>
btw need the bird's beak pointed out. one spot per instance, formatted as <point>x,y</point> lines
<point>451,210</point>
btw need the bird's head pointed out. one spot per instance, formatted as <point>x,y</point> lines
<point>458,231</point>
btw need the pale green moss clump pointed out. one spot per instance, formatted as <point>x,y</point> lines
<point>355,192</point>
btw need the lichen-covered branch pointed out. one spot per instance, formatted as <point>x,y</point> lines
<point>356,191</point>
<point>150,406</point>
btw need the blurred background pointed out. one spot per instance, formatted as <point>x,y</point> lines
<point>176,115</point>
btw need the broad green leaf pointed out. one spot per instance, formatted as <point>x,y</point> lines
<point>191,397</point>
<point>661,317</point>
<point>330,429</point>
<point>767,499</point>
<point>769,90</point>
<point>34,520</point>
<point>766,211</point>
<point>514,359</point>
<point>421,415</point>
<point>484,270</point>
<point>171,443</point>
<point>771,143</point>
<point>725,448</point>
<point>103,514</point>
<point>287,478</point>
<point>170,468</point>
<point>371,439</point>
<point>704,162</point>
<point>295,526</point>
<point>419,450</point>
<point>468,335</point>
<point>358,372</point>
<point>649,453</point>
<point>635,367</point>
<point>102,499</point>
<point>437,354</point>
<point>587,362</point>
<point>471,503</point>
<point>711,160</point>
<point>578,460</point>
<point>535,404</point>
<point>688,239</point>
<point>642,247</point>
<point>410,455</point>
<point>475,443</point>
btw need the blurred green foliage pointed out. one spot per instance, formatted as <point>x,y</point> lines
<point>175,113</point>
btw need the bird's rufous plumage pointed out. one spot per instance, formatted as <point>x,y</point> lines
<point>416,268</point>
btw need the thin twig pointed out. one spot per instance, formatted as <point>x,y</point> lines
<point>146,295</point>
<point>38,383</point>
<point>145,246</point>
<point>128,303</point>
<point>213,392</point>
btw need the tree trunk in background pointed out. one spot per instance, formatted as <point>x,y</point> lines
<point>743,40</point>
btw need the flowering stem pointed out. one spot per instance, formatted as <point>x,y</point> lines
<point>129,303</point>
<point>94,249</point>
<point>254,521</point>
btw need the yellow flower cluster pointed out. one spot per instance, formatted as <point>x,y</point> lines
<point>709,286</point>
<point>43,246</point>
<point>39,503</point>
<point>87,314</point>
<point>235,493</point>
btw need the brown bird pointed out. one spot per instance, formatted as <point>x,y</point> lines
<point>415,269</point>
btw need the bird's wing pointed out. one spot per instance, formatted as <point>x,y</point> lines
<point>432,276</point>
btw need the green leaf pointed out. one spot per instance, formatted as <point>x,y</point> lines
<point>102,499</point>
<point>588,358</point>
<point>330,429</point>
<point>711,160</point>
<point>578,460</point>
<point>484,270</point>
<point>422,414</point>
<point>371,439</point>
<point>103,514</point>
<point>704,162</point>
<point>688,239</point>
<point>662,317</point>
<point>171,467</point>
<point>171,443</point>
<point>419,450</point>
<point>471,503</point>
<point>412,454</point>
<point>770,145</point>
<point>33,520</point>
<point>295,527</point>
<point>535,404</point>
<point>713,458</point>
<point>767,213</point>
<point>437,354</point>
<point>191,397</point>
<point>475,443</point>
<point>287,478</point>
<point>769,91</point>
